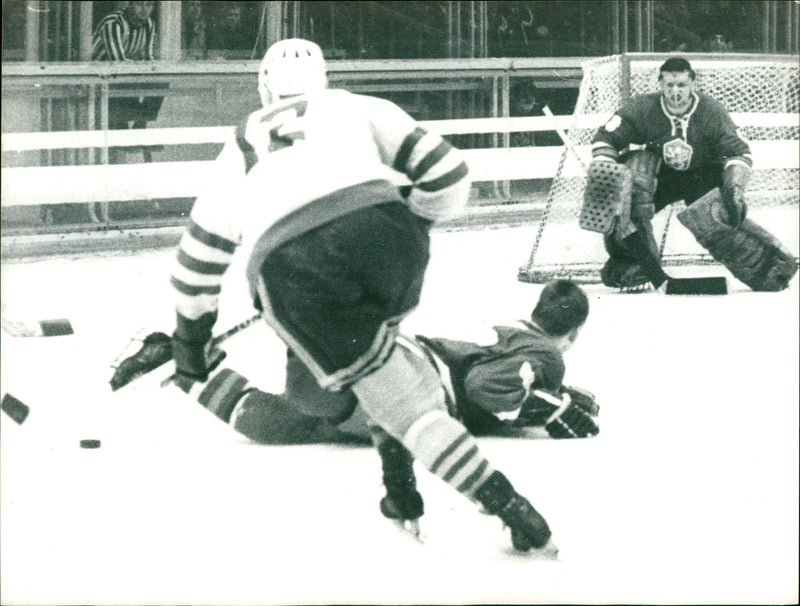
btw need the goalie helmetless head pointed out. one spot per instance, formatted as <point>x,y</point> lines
<point>677,81</point>
<point>291,67</point>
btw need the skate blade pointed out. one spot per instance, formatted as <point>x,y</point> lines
<point>548,552</point>
<point>635,290</point>
<point>411,528</point>
<point>134,345</point>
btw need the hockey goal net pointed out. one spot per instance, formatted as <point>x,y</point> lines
<point>760,92</point>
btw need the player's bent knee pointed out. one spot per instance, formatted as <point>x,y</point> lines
<point>401,391</point>
<point>356,425</point>
<point>305,393</point>
<point>270,419</point>
<point>644,167</point>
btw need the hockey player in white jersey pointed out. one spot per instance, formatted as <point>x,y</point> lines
<point>336,259</point>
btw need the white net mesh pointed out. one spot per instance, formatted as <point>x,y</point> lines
<point>762,95</point>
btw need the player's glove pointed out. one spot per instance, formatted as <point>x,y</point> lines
<point>734,181</point>
<point>194,360</point>
<point>571,421</point>
<point>535,411</point>
<point>584,399</point>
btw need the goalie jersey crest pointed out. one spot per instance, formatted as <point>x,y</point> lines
<point>678,154</point>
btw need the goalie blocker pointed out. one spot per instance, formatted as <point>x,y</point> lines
<point>751,254</point>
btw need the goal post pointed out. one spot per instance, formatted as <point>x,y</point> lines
<point>762,94</point>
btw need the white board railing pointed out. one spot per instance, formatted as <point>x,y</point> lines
<point>38,185</point>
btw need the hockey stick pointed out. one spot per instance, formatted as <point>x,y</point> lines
<point>156,351</point>
<point>675,286</point>
<point>35,328</point>
<point>221,338</point>
<point>564,138</point>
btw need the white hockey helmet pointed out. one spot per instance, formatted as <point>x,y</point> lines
<point>291,67</point>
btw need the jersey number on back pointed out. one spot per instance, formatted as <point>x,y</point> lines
<point>285,125</point>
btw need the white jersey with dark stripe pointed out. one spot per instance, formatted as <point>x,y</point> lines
<point>115,40</point>
<point>298,164</point>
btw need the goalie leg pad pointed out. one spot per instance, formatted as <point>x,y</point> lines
<point>644,167</point>
<point>633,262</point>
<point>627,268</point>
<point>606,197</point>
<point>751,254</point>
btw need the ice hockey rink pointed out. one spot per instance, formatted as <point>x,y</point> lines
<point>689,494</point>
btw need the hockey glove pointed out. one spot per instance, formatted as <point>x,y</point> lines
<point>734,180</point>
<point>584,399</point>
<point>192,362</point>
<point>571,421</point>
<point>535,411</point>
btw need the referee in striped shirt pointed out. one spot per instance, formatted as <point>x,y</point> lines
<point>126,35</point>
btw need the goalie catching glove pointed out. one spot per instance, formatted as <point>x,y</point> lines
<point>564,417</point>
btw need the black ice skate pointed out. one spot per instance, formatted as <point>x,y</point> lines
<point>626,276</point>
<point>528,528</point>
<point>403,503</point>
<point>156,350</point>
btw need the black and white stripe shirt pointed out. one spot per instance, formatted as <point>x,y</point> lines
<point>116,40</point>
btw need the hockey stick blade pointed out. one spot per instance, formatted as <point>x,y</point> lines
<point>15,408</point>
<point>697,286</point>
<point>41,328</point>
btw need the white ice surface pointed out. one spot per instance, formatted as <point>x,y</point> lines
<point>688,495</point>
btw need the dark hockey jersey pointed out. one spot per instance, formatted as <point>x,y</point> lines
<point>492,381</point>
<point>704,136</point>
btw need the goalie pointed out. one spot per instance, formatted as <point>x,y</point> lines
<point>660,148</point>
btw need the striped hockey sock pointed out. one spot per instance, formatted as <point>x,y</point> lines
<point>448,450</point>
<point>220,394</point>
<point>405,398</point>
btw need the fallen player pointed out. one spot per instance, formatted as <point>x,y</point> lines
<point>505,385</point>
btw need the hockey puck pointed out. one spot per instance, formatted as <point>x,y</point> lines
<point>15,409</point>
<point>90,443</point>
